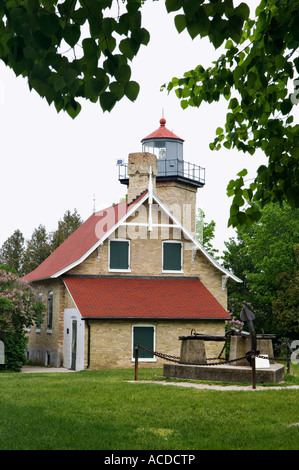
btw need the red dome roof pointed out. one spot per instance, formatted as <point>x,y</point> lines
<point>162,133</point>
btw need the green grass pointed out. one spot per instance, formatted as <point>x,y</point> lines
<point>101,410</point>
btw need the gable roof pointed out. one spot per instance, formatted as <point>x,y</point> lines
<point>95,230</point>
<point>81,242</point>
<point>144,298</point>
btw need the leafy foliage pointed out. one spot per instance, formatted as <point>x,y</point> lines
<point>286,304</point>
<point>254,75</point>
<point>205,233</point>
<point>263,256</point>
<point>66,226</point>
<point>73,49</point>
<point>24,259</point>
<point>12,251</point>
<point>20,307</point>
<point>34,36</point>
<point>37,250</point>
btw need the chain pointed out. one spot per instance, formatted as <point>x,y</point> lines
<point>176,359</point>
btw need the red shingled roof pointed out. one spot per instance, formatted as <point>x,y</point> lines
<point>81,241</point>
<point>162,133</point>
<point>119,298</point>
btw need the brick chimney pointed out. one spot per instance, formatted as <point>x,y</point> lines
<point>139,166</point>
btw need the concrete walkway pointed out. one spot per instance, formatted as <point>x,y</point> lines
<point>37,369</point>
<point>216,387</point>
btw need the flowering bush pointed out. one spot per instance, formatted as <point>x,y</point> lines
<point>19,308</point>
<point>235,307</point>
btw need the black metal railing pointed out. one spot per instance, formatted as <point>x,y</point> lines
<point>171,168</point>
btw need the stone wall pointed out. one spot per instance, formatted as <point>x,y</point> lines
<point>111,342</point>
<point>45,345</point>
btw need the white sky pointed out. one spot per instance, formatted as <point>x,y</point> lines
<point>51,163</point>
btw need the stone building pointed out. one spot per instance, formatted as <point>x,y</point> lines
<point>134,272</point>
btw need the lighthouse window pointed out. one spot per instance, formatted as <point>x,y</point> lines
<point>157,148</point>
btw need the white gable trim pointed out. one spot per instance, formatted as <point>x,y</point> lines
<point>101,240</point>
<point>177,223</point>
<point>198,245</point>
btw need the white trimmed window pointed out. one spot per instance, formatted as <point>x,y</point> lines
<point>119,255</point>
<point>144,335</point>
<point>172,256</point>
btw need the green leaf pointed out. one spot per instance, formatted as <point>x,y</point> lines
<point>173,5</point>
<point>90,48</point>
<point>180,22</point>
<point>49,24</point>
<point>71,34</point>
<point>59,83</point>
<point>233,103</point>
<point>107,101</point>
<point>286,106</point>
<point>73,108</point>
<point>123,73</point>
<point>241,218</point>
<point>238,73</point>
<point>132,90</point>
<point>243,11</point>
<point>127,48</point>
<point>243,173</point>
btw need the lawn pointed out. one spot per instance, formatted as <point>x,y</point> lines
<point>102,410</point>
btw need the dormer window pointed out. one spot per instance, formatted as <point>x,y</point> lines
<point>172,256</point>
<point>119,255</point>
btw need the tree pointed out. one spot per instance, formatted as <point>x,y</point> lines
<point>286,305</point>
<point>12,251</point>
<point>66,226</point>
<point>37,250</point>
<point>104,37</point>
<point>254,75</point>
<point>263,257</point>
<point>35,34</point>
<point>25,257</point>
<point>20,307</point>
<point>205,233</point>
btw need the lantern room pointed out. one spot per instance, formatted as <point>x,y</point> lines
<point>168,148</point>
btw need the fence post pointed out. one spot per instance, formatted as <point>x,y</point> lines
<point>253,372</point>
<point>136,362</point>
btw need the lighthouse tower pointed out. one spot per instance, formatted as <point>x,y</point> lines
<point>175,180</point>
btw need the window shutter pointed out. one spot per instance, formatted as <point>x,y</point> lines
<point>119,254</point>
<point>172,256</point>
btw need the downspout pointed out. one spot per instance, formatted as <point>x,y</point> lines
<point>88,345</point>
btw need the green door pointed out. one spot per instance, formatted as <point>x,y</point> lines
<point>144,336</point>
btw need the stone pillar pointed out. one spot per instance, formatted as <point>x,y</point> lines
<point>193,350</point>
<point>239,346</point>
